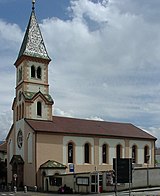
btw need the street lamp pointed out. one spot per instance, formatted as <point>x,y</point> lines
<point>147,158</point>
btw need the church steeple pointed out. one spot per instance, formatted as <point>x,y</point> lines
<point>32,89</point>
<point>33,44</point>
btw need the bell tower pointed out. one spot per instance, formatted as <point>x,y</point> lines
<point>32,98</point>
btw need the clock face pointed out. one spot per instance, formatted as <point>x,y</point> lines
<point>20,139</point>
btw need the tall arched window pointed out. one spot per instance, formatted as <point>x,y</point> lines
<point>39,108</point>
<point>10,149</point>
<point>30,151</point>
<point>146,154</point>
<point>119,151</point>
<point>20,75</point>
<point>87,153</point>
<point>17,113</point>
<point>70,152</point>
<point>134,154</point>
<point>22,110</point>
<point>39,72</point>
<point>33,71</point>
<point>104,153</point>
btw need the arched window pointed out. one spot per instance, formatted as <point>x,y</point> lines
<point>22,110</point>
<point>134,154</point>
<point>33,74</point>
<point>119,151</point>
<point>17,113</point>
<point>20,75</point>
<point>39,108</point>
<point>104,153</point>
<point>39,72</point>
<point>30,152</point>
<point>87,153</point>
<point>70,153</point>
<point>146,154</point>
<point>10,149</point>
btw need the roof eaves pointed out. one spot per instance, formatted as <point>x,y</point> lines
<point>9,132</point>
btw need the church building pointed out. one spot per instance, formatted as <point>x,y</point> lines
<point>41,145</point>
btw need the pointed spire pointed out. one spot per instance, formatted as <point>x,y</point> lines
<point>33,44</point>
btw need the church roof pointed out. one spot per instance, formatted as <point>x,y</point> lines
<point>33,45</point>
<point>51,164</point>
<point>82,127</point>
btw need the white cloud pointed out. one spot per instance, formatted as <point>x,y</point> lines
<point>6,122</point>
<point>112,71</point>
<point>10,38</point>
<point>155,131</point>
<point>105,62</point>
<point>59,112</point>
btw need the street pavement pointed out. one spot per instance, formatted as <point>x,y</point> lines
<point>139,192</point>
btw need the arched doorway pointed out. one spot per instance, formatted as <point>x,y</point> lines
<point>17,171</point>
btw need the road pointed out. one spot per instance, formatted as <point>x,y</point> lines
<point>125,193</point>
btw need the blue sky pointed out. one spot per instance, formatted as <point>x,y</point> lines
<point>16,11</point>
<point>105,58</point>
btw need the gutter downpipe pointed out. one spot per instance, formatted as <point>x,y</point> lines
<point>36,156</point>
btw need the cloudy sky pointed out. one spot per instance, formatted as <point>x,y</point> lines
<point>105,58</point>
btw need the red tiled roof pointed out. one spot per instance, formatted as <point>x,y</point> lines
<point>73,126</point>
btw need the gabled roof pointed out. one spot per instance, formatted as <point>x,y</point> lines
<point>73,126</point>
<point>51,164</point>
<point>32,95</point>
<point>33,45</point>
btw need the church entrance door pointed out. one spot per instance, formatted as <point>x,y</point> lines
<point>17,171</point>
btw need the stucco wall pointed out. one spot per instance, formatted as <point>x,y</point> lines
<point>10,153</point>
<point>29,180</point>
<point>48,147</point>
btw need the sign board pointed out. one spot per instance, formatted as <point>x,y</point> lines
<point>122,170</point>
<point>71,167</point>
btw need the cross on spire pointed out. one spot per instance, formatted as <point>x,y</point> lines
<point>33,3</point>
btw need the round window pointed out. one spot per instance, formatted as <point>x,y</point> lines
<point>20,138</point>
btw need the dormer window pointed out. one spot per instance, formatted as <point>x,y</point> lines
<point>39,108</point>
<point>33,71</point>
